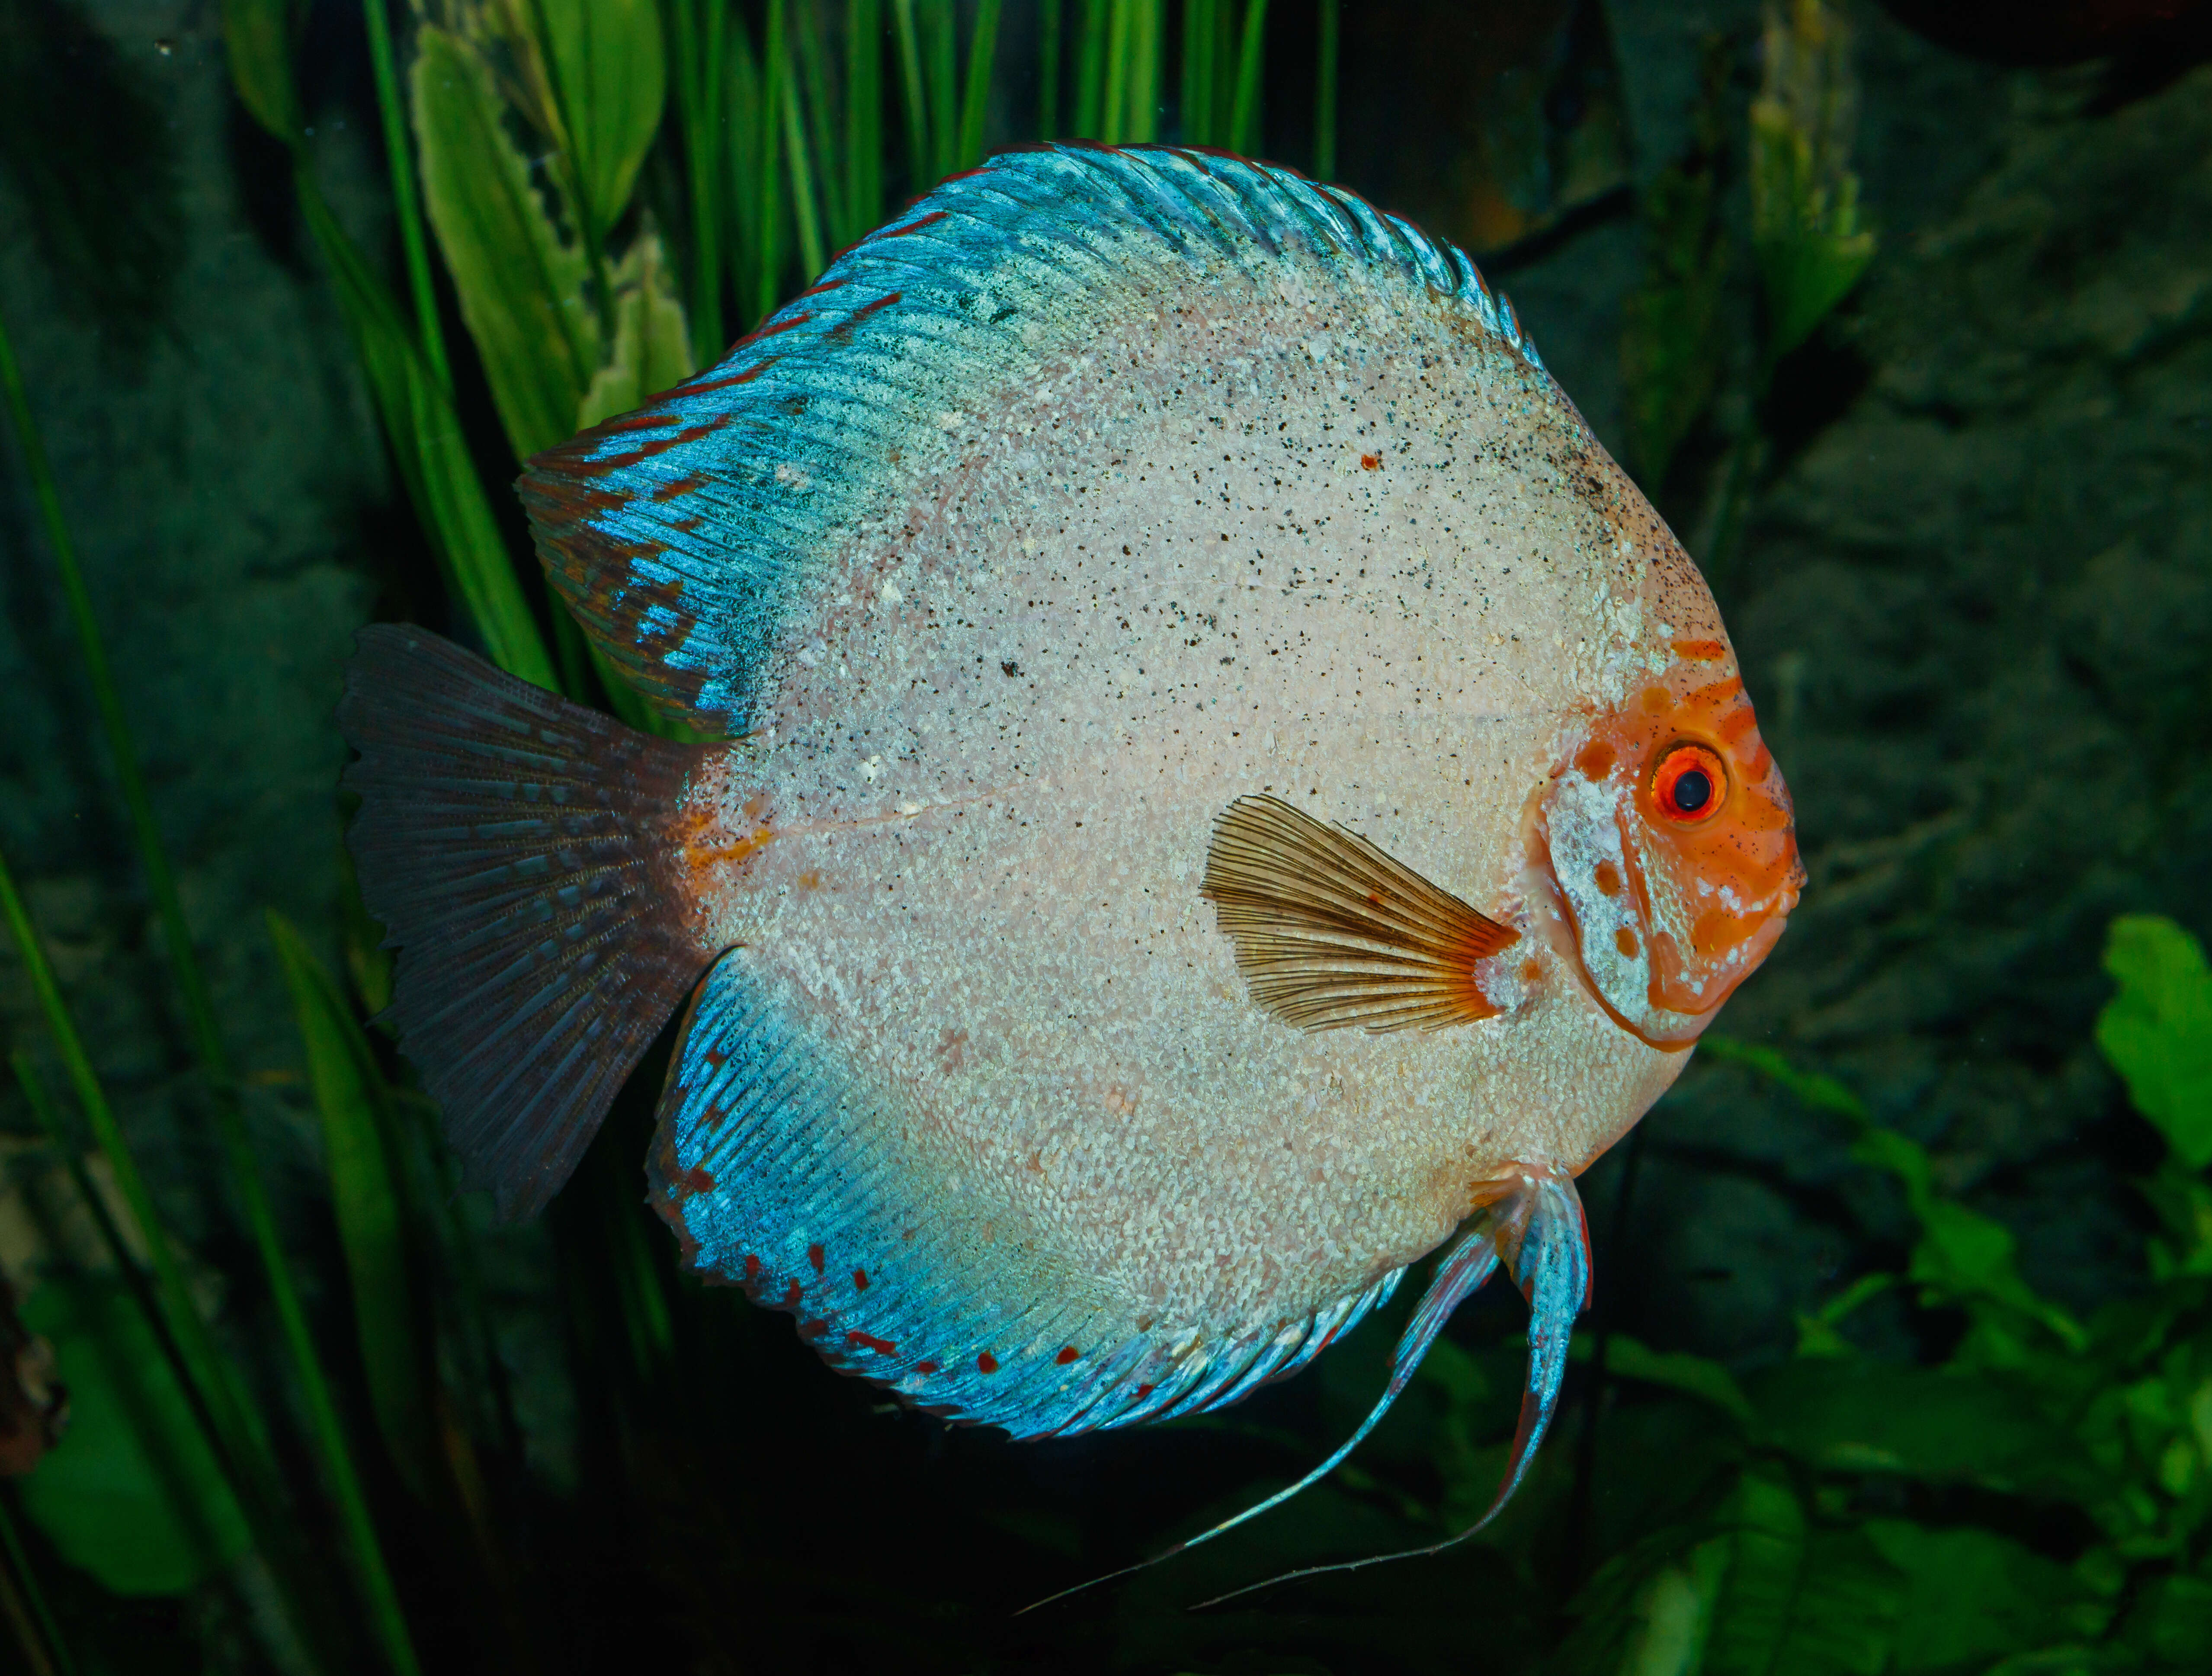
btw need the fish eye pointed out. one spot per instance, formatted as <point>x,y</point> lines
<point>1688,784</point>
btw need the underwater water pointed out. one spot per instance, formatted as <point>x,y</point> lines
<point>1900,1352</point>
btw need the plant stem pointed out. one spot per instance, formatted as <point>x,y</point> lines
<point>375,1580</point>
<point>917,112</point>
<point>1195,111</point>
<point>1048,69</point>
<point>406,208</point>
<point>1245,114</point>
<point>221,1407</point>
<point>982,47</point>
<point>1325,93</point>
<point>60,1663</point>
<point>1116,93</point>
<point>1090,69</point>
<point>775,53</point>
<point>802,181</point>
<point>864,118</point>
<point>698,76</point>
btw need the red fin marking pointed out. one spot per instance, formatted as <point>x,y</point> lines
<point>860,316</point>
<point>1066,1356</point>
<point>881,1346</point>
<point>700,386</point>
<point>860,1280</point>
<point>987,1364</point>
<point>644,419</point>
<point>792,1295</point>
<point>675,487</point>
<point>916,225</point>
<point>816,1256</point>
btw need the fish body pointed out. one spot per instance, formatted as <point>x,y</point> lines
<point>1225,780</point>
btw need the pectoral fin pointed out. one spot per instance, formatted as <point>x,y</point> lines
<point>1332,932</point>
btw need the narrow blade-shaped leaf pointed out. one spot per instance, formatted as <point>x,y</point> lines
<point>613,81</point>
<point>133,1494</point>
<point>257,38</point>
<point>349,1093</point>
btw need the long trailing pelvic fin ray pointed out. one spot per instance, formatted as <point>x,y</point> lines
<point>1546,1242</point>
<point>1539,1228</point>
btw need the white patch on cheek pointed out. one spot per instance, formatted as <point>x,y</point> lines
<point>1583,833</point>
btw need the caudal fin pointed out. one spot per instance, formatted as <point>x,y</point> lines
<point>518,851</point>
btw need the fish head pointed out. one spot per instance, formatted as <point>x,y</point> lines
<point>1666,843</point>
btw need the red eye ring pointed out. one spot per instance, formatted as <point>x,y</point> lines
<point>1689,784</point>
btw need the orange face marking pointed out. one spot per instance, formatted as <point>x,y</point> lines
<point>1596,760</point>
<point>1700,652</point>
<point>1673,849</point>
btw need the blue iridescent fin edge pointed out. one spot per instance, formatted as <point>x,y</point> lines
<point>761,1168</point>
<point>676,532</point>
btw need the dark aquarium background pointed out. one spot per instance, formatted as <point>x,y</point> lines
<point>1901,1354</point>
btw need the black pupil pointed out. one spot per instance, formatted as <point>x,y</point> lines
<point>1692,790</point>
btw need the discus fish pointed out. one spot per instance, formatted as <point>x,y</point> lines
<point>1223,784</point>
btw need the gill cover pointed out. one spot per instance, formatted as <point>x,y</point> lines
<point>1669,836</point>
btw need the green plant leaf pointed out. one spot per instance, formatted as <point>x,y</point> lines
<point>1676,1370</point>
<point>257,37</point>
<point>613,79</point>
<point>1936,1426</point>
<point>2157,1031</point>
<point>652,344</point>
<point>1670,348</point>
<point>1799,1601</point>
<point>132,1494</point>
<point>2172,1623</point>
<point>521,288</point>
<point>1804,198</point>
<point>1972,1596</point>
<point>349,1092</point>
<point>432,457</point>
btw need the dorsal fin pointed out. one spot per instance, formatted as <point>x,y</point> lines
<point>1332,932</point>
<point>679,532</point>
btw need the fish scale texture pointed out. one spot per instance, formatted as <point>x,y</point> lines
<point>1101,491</point>
<point>812,1221</point>
<point>675,532</point>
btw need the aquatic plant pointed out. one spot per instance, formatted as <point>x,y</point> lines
<point>1687,350</point>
